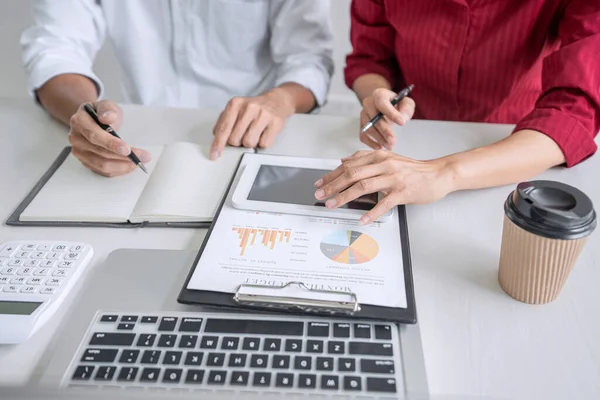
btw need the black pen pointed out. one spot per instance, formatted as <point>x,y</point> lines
<point>92,112</point>
<point>403,93</point>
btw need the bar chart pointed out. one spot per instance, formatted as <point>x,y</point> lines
<point>267,238</point>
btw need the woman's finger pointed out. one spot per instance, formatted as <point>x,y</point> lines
<point>383,206</point>
<point>349,177</point>
<point>360,188</point>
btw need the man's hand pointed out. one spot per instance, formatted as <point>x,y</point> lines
<point>402,181</point>
<point>381,135</point>
<point>252,121</point>
<point>97,149</point>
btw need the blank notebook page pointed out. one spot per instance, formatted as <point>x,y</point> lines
<point>74,193</point>
<point>187,186</point>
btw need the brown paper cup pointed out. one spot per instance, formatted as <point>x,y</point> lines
<point>533,269</point>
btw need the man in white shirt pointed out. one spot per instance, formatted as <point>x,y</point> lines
<point>260,60</point>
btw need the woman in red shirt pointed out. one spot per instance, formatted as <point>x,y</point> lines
<point>533,63</point>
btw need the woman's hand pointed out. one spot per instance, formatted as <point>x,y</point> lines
<point>381,135</point>
<point>402,181</point>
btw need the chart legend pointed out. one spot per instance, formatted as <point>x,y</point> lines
<point>268,238</point>
<point>349,247</point>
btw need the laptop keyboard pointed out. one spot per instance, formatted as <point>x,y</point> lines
<point>247,352</point>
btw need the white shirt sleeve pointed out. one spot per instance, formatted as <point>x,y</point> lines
<point>64,39</point>
<point>302,44</point>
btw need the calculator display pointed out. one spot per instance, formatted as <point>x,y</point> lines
<point>18,307</point>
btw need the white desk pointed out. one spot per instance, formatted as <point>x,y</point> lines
<point>477,340</point>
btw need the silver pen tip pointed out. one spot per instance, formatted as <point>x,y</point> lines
<point>142,167</point>
<point>366,128</point>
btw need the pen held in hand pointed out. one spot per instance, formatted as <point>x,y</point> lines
<point>402,94</point>
<point>92,113</point>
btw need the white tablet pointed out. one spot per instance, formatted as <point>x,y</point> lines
<point>283,184</point>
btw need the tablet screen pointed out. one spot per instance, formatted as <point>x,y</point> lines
<point>293,185</point>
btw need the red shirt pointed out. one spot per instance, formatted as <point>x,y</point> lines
<point>534,63</point>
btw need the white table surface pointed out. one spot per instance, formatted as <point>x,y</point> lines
<point>477,341</point>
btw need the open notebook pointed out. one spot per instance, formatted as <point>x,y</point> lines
<point>182,186</point>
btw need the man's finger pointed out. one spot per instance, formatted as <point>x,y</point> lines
<point>349,177</point>
<point>223,127</point>
<point>105,166</point>
<point>269,134</point>
<point>77,141</point>
<point>383,206</point>
<point>108,111</point>
<point>246,116</point>
<point>84,124</point>
<point>255,130</point>
<point>360,188</point>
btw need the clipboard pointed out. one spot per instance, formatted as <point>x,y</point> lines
<point>338,304</point>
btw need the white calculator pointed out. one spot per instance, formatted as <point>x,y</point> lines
<point>35,278</point>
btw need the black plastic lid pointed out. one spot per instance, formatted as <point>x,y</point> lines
<point>551,209</point>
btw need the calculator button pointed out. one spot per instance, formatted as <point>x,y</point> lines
<point>43,247</point>
<point>39,255</point>
<point>60,272</point>
<point>48,290</point>
<point>54,256</point>
<point>8,251</point>
<point>25,271</point>
<point>16,262</point>
<point>65,264</point>
<point>18,281</point>
<point>28,247</point>
<point>78,247</point>
<point>54,281</point>
<point>11,289</point>
<point>4,280</point>
<point>34,281</point>
<point>32,263</point>
<point>48,264</point>
<point>8,271</point>
<point>41,271</point>
<point>29,289</point>
<point>72,256</point>
<point>23,254</point>
<point>4,261</point>
<point>60,247</point>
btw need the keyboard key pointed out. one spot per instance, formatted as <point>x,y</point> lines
<point>105,374</point>
<point>330,382</point>
<point>281,362</point>
<point>239,378</point>
<point>151,356</point>
<point>336,347</point>
<point>194,376</point>
<point>306,381</point>
<point>109,318</point>
<point>256,327</point>
<point>251,344</point>
<point>383,332</point>
<point>362,331</point>
<point>314,346</point>
<point>259,361</point>
<point>371,349</point>
<point>148,320</point>
<point>150,375</point>
<point>129,356</point>
<point>112,339</point>
<point>125,327</point>
<point>83,373</point>
<point>320,329</point>
<point>284,380</point>
<point>172,358</point>
<point>193,358</point>
<point>127,374</point>
<point>129,318</point>
<point>190,325</point>
<point>4,261</point>
<point>172,375</point>
<point>377,366</point>
<point>209,342</point>
<point>167,340</point>
<point>230,343</point>
<point>215,359</point>
<point>99,355</point>
<point>346,364</point>
<point>272,344</point>
<point>387,385</point>
<point>293,345</point>
<point>302,363</point>
<point>167,324</point>
<point>146,340</point>
<point>48,290</point>
<point>353,383</point>
<point>324,364</point>
<point>237,360</point>
<point>188,341</point>
<point>217,377</point>
<point>261,379</point>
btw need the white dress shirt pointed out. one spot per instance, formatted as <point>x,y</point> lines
<point>185,53</point>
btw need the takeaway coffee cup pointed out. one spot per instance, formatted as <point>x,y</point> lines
<point>546,225</point>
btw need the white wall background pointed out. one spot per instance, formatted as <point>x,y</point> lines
<point>15,16</point>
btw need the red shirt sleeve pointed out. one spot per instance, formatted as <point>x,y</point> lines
<point>568,111</point>
<point>372,39</point>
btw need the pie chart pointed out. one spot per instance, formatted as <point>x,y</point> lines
<point>349,247</point>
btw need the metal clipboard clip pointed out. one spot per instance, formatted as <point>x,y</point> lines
<point>246,294</point>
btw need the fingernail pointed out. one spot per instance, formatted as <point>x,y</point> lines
<point>123,150</point>
<point>319,183</point>
<point>365,220</point>
<point>319,194</point>
<point>331,203</point>
<point>145,156</point>
<point>108,114</point>
<point>406,116</point>
<point>214,155</point>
